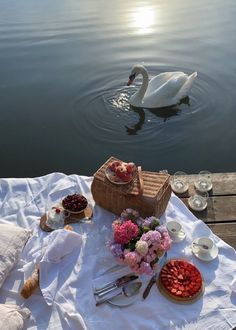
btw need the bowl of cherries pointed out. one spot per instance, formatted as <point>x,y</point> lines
<point>75,203</point>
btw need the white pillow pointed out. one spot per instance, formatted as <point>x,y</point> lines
<point>12,317</point>
<point>12,242</point>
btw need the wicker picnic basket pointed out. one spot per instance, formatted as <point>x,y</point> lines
<point>148,193</point>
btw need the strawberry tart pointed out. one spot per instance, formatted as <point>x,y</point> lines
<point>120,172</point>
<point>180,281</point>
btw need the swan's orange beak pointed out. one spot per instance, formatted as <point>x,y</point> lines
<point>131,79</point>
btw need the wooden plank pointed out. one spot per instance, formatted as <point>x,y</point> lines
<point>219,209</point>
<point>223,184</point>
<point>227,232</point>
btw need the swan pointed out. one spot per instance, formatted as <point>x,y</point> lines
<point>163,90</point>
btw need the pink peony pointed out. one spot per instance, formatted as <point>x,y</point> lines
<point>145,268</point>
<point>132,258</point>
<point>123,233</point>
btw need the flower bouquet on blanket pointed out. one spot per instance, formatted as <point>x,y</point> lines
<point>139,243</point>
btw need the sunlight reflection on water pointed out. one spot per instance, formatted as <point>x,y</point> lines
<point>143,19</point>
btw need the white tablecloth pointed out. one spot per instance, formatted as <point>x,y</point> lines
<point>23,201</point>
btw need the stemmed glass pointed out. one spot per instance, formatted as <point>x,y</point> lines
<point>203,182</point>
<point>198,202</point>
<point>179,183</point>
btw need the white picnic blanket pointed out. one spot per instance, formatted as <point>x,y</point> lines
<point>22,202</point>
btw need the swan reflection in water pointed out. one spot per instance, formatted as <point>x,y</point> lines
<point>164,113</point>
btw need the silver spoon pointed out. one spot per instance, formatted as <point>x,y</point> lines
<point>128,290</point>
<point>202,245</point>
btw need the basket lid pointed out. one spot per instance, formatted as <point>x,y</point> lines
<point>154,183</point>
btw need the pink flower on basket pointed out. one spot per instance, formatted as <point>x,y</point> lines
<point>123,233</point>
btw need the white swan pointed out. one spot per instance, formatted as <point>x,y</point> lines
<point>163,90</point>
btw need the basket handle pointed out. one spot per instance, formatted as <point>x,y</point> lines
<point>140,180</point>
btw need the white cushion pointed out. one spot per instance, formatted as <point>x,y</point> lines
<point>12,317</point>
<point>12,242</point>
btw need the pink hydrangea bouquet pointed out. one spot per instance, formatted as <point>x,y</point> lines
<point>139,243</point>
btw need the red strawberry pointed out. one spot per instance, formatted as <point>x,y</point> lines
<point>114,165</point>
<point>130,167</point>
<point>126,177</point>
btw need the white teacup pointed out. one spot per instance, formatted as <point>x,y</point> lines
<point>174,228</point>
<point>204,245</point>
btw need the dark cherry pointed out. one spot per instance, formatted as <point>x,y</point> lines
<point>74,203</point>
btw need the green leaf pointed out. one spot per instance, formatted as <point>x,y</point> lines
<point>146,229</point>
<point>155,223</point>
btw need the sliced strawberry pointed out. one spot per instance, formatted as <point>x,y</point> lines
<point>172,263</point>
<point>165,282</point>
<point>185,294</point>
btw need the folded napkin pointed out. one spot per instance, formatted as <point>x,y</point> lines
<point>63,248</point>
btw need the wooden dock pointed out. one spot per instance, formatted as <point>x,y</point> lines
<point>220,214</point>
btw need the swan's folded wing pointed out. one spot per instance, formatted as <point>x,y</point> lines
<point>159,80</point>
<point>183,92</point>
<point>168,85</point>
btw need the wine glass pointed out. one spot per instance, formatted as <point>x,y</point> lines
<point>203,182</point>
<point>179,182</point>
<point>198,202</point>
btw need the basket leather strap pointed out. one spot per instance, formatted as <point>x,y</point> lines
<point>140,179</point>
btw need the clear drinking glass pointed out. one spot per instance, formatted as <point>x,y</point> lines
<point>198,202</point>
<point>179,182</point>
<point>203,182</point>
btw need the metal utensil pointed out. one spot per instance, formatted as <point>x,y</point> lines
<point>128,290</point>
<point>201,245</point>
<point>153,279</point>
<point>119,283</point>
<point>149,286</point>
<point>111,283</point>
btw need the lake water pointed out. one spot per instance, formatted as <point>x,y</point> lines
<point>64,66</point>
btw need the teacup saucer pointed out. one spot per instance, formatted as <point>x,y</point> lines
<point>211,255</point>
<point>178,238</point>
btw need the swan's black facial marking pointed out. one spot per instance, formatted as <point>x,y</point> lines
<point>132,76</point>
<point>131,79</point>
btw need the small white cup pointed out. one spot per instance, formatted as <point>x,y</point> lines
<point>203,243</point>
<point>174,228</point>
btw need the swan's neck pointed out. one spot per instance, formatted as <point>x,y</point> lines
<point>144,86</point>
